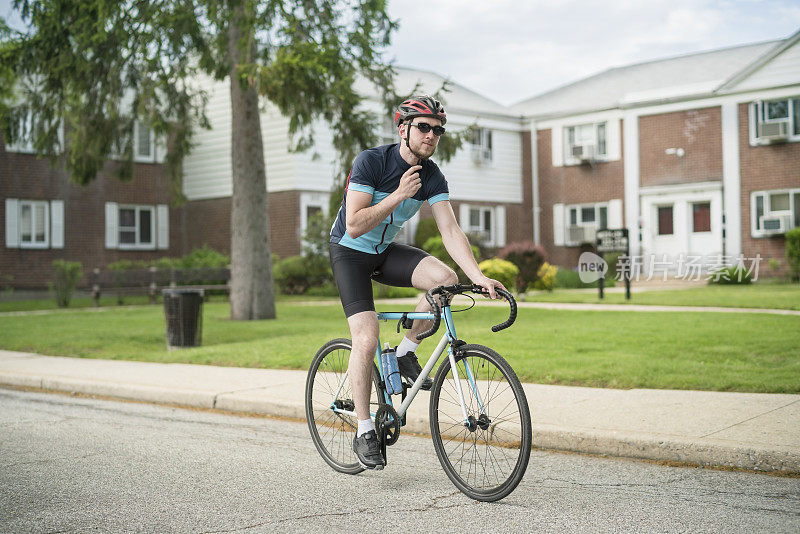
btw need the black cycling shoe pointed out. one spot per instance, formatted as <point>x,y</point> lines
<point>410,370</point>
<point>368,451</point>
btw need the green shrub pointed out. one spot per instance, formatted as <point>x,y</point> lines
<point>793,251</point>
<point>435,247</point>
<point>546,277</point>
<point>296,274</point>
<point>165,264</point>
<point>204,257</point>
<point>528,257</point>
<point>426,229</point>
<point>67,274</point>
<point>328,289</point>
<point>127,265</point>
<point>503,271</point>
<point>731,275</point>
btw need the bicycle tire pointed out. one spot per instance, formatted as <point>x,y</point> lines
<point>488,463</point>
<point>333,433</point>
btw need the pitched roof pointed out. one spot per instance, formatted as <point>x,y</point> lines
<point>675,77</point>
<point>458,99</point>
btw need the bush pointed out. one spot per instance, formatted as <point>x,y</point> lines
<point>546,277</point>
<point>426,229</point>
<point>204,258</point>
<point>67,274</point>
<point>503,271</point>
<point>793,251</point>
<point>435,247</point>
<point>296,274</point>
<point>731,275</point>
<point>528,257</point>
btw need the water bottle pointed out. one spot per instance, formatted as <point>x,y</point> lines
<point>390,370</point>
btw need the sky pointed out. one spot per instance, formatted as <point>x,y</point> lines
<point>510,50</point>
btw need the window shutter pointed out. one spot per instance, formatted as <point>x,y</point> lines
<point>57,224</point>
<point>500,226</point>
<point>615,213</point>
<point>162,226</point>
<point>558,225</point>
<point>12,223</point>
<point>112,225</point>
<point>463,216</point>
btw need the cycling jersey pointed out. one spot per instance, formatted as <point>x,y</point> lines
<point>377,171</point>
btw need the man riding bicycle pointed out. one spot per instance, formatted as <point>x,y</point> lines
<point>386,187</point>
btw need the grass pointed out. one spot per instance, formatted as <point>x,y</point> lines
<point>772,296</point>
<point>706,351</point>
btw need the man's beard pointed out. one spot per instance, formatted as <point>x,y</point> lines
<point>420,155</point>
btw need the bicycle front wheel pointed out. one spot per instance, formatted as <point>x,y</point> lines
<point>327,391</point>
<point>486,455</point>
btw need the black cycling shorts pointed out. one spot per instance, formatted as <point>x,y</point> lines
<point>354,270</point>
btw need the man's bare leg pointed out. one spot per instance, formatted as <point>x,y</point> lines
<point>364,333</point>
<point>429,273</point>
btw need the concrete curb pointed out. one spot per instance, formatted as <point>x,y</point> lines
<point>655,447</point>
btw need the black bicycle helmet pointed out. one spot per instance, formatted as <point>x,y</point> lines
<point>419,106</point>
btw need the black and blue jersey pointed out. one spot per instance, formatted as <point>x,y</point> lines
<point>377,171</point>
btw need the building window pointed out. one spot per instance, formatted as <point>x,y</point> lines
<point>480,222</point>
<point>775,120</point>
<point>665,226</point>
<point>585,142</point>
<point>388,132</point>
<point>142,141</point>
<point>136,227</point>
<point>481,145</point>
<point>584,221</point>
<point>774,212</point>
<point>701,217</point>
<point>33,224</point>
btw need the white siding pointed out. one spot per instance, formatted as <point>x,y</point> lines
<point>207,169</point>
<point>782,70</point>
<point>495,181</point>
<point>315,168</point>
<point>279,162</point>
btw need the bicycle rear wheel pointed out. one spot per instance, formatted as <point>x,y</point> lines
<point>487,459</point>
<point>326,388</point>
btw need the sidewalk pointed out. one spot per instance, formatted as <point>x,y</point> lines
<point>745,430</point>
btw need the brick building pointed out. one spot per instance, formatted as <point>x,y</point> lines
<point>697,156</point>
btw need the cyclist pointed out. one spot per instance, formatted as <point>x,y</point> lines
<point>387,186</point>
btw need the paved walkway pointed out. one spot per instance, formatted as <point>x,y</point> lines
<point>751,431</point>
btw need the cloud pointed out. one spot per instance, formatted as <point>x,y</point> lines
<point>510,50</point>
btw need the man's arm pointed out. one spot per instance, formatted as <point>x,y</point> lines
<point>457,245</point>
<point>361,217</point>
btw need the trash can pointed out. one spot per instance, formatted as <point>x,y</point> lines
<point>183,311</point>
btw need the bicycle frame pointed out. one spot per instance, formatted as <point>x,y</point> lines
<point>446,341</point>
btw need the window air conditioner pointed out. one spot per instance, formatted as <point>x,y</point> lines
<point>775,224</point>
<point>481,154</point>
<point>583,152</point>
<point>774,130</point>
<point>581,234</point>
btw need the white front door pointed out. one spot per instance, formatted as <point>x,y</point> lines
<point>680,223</point>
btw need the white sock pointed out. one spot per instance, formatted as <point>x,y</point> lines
<point>406,346</point>
<point>365,426</point>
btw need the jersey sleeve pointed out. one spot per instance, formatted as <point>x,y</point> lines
<point>438,190</point>
<point>364,175</point>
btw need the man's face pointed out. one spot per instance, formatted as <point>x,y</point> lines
<point>422,145</point>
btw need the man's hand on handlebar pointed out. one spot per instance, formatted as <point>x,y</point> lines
<point>489,285</point>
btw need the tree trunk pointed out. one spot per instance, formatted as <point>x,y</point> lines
<point>252,291</point>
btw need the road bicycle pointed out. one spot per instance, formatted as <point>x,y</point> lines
<point>479,417</point>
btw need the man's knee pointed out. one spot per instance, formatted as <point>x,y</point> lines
<point>432,272</point>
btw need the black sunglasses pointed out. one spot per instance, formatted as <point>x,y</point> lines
<point>424,127</point>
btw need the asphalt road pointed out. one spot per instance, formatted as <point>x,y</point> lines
<point>79,464</point>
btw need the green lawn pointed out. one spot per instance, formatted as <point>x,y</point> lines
<point>775,296</point>
<point>710,351</point>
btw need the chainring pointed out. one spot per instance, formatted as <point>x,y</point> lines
<point>388,424</point>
